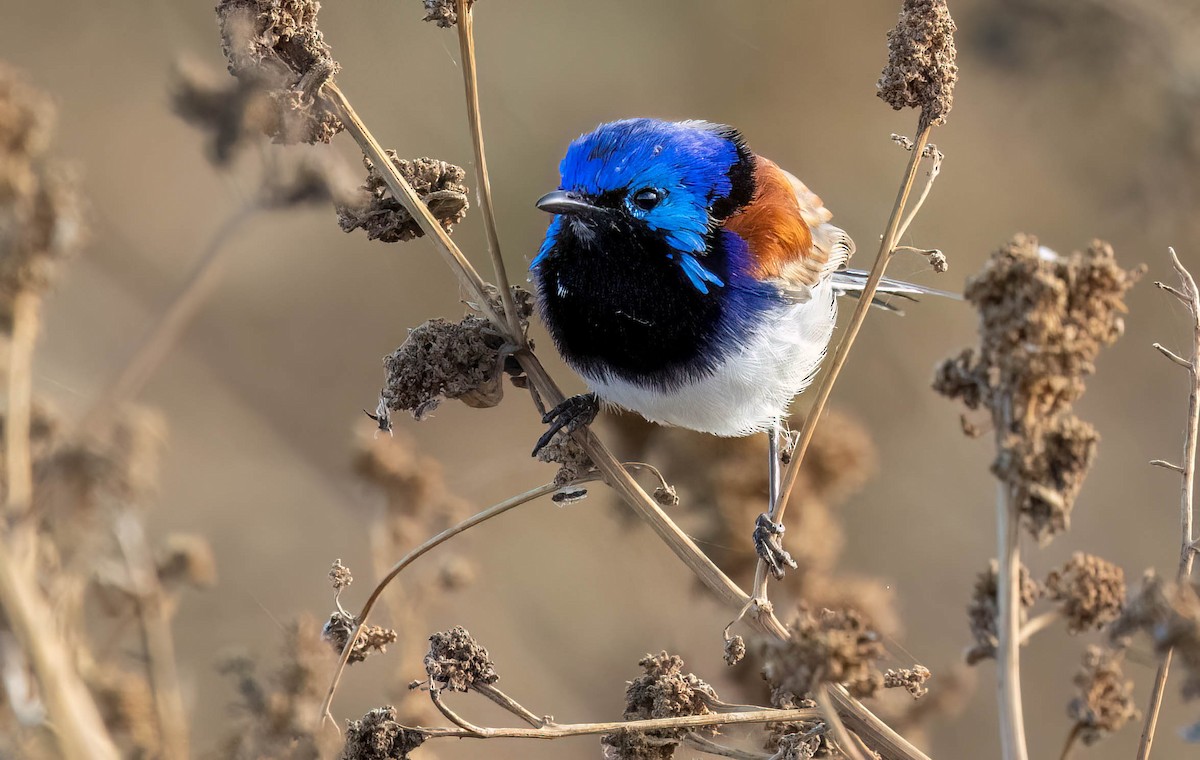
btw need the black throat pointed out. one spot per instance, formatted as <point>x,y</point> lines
<point>617,302</point>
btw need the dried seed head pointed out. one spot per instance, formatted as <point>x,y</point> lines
<point>457,662</point>
<point>921,69</point>
<point>378,736</point>
<point>1091,590</point>
<point>574,463</point>
<point>836,646</point>
<point>1170,614</point>
<point>735,650</point>
<point>983,611</point>
<point>663,690</point>
<point>187,558</point>
<point>276,716</point>
<point>444,13</point>
<point>1105,702</point>
<point>41,217</point>
<point>1043,320</point>
<point>666,496</point>
<point>276,47</point>
<point>911,679</point>
<point>340,576</point>
<point>1049,471</point>
<point>340,627</point>
<point>440,185</point>
<point>441,359</point>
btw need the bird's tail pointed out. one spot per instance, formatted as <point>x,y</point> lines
<point>850,282</point>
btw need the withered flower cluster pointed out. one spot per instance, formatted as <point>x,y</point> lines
<point>275,48</point>
<point>1091,591</point>
<point>983,610</point>
<point>441,185</point>
<point>832,646</point>
<point>41,218</point>
<point>1105,700</point>
<point>464,360</point>
<point>921,69</point>
<point>379,736</point>
<point>277,714</point>
<point>663,690</point>
<point>341,626</point>
<point>1043,320</point>
<point>1169,613</point>
<point>457,662</point>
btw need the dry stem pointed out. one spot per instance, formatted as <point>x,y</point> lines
<point>1189,295</point>
<point>830,376</point>
<point>561,730</point>
<point>466,43</point>
<point>169,326</point>
<point>73,716</point>
<point>26,307</point>
<point>1008,626</point>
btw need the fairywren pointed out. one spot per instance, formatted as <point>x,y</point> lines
<point>688,279</point>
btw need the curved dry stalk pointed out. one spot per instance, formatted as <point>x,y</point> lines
<point>441,538</point>
<point>466,44</point>
<point>169,325</point>
<point>1187,552</point>
<point>73,717</point>
<point>834,367</point>
<point>26,314</point>
<point>562,730</point>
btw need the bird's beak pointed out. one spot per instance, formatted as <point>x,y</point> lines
<point>562,202</point>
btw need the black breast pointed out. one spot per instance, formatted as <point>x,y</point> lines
<point>619,304</point>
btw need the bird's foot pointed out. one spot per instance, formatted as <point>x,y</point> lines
<point>768,543</point>
<point>570,415</point>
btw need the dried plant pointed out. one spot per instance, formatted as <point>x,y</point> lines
<point>1043,319</point>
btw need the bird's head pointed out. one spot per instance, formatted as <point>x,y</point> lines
<point>669,182</point>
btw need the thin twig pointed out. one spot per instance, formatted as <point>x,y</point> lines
<point>170,325</point>
<point>466,45</point>
<point>834,367</point>
<point>708,746</point>
<point>1188,471</point>
<point>154,618</point>
<point>508,703</point>
<point>935,167</point>
<point>837,729</point>
<point>441,538</point>
<point>1008,627</point>
<point>26,313</point>
<point>561,730</point>
<point>1039,624</point>
<point>1071,742</point>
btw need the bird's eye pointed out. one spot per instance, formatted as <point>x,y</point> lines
<point>647,198</point>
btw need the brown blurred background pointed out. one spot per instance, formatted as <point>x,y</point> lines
<point>1071,121</point>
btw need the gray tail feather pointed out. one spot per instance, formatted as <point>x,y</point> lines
<point>850,282</point>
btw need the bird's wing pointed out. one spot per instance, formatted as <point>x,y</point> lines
<point>787,229</point>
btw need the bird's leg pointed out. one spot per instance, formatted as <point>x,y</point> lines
<point>570,415</point>
<point>768,534</point>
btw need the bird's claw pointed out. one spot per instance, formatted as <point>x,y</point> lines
<point>570,415</point>
<point>768,543</point>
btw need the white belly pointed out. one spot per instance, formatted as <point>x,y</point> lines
<point>752,388</point>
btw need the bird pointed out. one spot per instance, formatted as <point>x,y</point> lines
<point>688,279</point>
